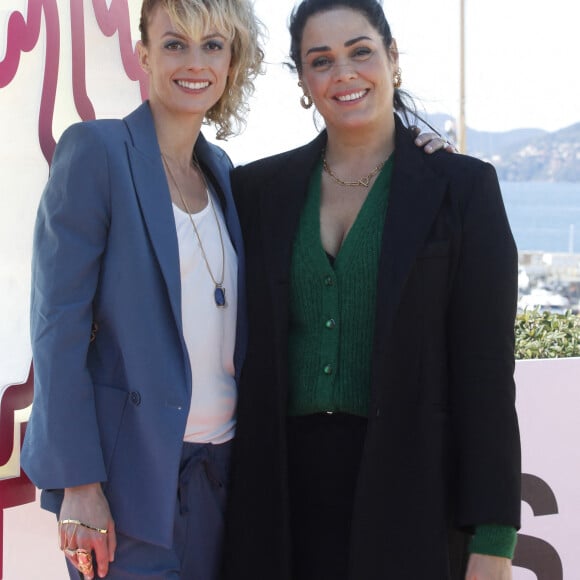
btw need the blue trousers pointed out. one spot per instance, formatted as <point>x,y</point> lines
<point>198,529</point>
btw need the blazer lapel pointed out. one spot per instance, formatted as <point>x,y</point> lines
<point>415,196</point>
<point>217,166</point>
<point>155,200</point>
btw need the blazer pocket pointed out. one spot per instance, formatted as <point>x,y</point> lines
<point>435,249</point>
<point>110,404</point>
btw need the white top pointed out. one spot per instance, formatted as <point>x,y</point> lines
<point>209,331</point>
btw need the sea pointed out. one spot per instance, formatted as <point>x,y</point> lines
<point>544,216</point>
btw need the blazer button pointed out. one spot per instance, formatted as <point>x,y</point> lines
<point>135,398</point>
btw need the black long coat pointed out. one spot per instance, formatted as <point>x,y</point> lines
<point>442,445</point>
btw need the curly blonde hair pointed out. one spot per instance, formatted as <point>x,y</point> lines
<point>236,20</point>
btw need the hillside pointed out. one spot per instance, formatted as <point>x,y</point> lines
<point>526,154</point>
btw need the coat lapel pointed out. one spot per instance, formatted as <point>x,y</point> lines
<point>415,197</point>
<point>283,198</point>
<point>155,201</point>
<point>283,194</point>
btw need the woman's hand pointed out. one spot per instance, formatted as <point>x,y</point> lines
<point>483,567</point>
<point>432,142</point>
<point>86,527</point>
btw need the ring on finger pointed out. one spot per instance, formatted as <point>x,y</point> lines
<point>83,556</point>
<point>85,568</point>
<point>84,561</point>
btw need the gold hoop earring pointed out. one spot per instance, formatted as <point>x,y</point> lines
<point>306,101</point>
<point>398,78</point>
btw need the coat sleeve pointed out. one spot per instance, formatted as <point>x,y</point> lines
<point>62,445</point>
<point>483,303</point>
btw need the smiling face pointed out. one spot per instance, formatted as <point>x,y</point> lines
<point>347,70</point>
<point>187,76</point>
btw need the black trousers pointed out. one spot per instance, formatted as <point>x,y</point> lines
<point>324,454</point>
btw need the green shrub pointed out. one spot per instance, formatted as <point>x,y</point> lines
<point>547,335</point>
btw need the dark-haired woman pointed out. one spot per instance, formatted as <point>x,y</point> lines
<point>376,411</point>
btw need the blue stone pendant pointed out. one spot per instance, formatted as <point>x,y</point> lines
<point>219,295</point>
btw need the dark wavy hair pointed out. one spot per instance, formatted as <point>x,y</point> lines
<point>373,11</point>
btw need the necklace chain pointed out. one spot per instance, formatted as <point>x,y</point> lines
<point>219,293</point>
<point>362,182</point>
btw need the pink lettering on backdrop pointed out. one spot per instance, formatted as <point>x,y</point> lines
<point>23,36</point>
<point>17,490</point>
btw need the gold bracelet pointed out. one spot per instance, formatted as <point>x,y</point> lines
<point>79,523</point>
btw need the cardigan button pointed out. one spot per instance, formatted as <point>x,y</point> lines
<point>327,369</point>
<point>328,281</point>
<point>330,323</point>
<point>135,397</point>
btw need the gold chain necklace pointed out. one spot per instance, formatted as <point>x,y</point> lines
<point>219,293</point>
<point>362,182</point>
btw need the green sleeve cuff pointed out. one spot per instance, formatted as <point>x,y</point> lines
<point>494,540</point>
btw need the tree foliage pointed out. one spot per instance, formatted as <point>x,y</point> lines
<point>547,335</point>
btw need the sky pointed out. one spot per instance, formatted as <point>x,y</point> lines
<point>521,67</point>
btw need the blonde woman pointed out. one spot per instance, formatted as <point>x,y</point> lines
<point>137,328</point>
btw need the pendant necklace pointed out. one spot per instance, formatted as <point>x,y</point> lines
<point>362,182</point>
<point>219,293</point>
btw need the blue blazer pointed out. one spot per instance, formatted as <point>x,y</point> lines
<point>112,375</point>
